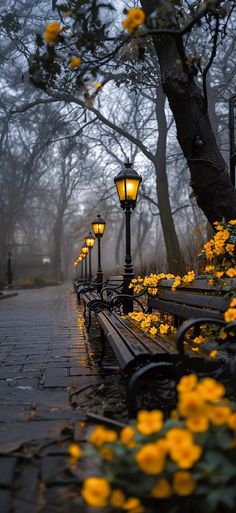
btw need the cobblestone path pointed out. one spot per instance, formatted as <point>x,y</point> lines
<point>46,362</point>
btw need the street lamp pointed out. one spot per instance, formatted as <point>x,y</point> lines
<point>98,229</point>
<point>90,241</point>
<point>84,250</point>
<point>232,136</point>
<point>127,184</point>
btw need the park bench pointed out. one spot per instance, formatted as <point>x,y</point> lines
<point>153,364</point>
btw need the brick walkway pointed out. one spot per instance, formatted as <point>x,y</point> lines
<point>46,362</point>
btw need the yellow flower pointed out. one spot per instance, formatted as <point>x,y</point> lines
<point>199,340</point>
<point>134,18</point>
<point>127,436</point>
<point>74,62</point>
<point>187,383</point>
<point>101,435</point>
<point>183,483</point>
<point>52,31</point>
<point>191,404</point>
<point>153,330</point>
<point>210,390</point>
<point>233,222</point>
<point>149,422</point>
<point>230,315</point>
<point>179,437</point>
<point>209,268</point>
<point>232,421</point>
<point>176,283</point>
<point>213,353</point>
<point>233,302</point>
<point>117,498</point>
<point>133,504</point>
<point>190,276</point>
<point>231,272</point>
<point>161,490</point>
<point>150,459</point>
<point>210,282</point>
<point>164,328</point>
<point>223,335</point>
<point>219,415</point>
<point>197,424</point>
<point>74,450</point>
<point>185,455</point>
<point>219,274</point>
<point>230,248</point>
<point>96,491</point>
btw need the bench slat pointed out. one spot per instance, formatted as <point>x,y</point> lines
<point>183,311</point>
<point>196,299</point>
<point>200,284</point>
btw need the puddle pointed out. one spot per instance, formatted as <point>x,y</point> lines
<point>24,388</point>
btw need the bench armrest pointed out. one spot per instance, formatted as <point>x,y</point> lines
<point>115,301</point>
<point>179,340</point>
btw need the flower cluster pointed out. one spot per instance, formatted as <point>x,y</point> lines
<point>230,314</point>
<point>157,465</point>
<point>52,32</point>
<point>220,253</point>
<point>150,282</point>
<point>135,17</point>
<point>154,323</point>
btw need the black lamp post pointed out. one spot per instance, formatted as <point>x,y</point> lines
<point>127,184</point>
<point>85,250</point>
<point>90,241</point>
<point>232,136</point>
<point>98,229</point>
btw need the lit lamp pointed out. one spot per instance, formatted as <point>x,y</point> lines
<point>90,241</point>
<point>85,250</point>
<point>127,184</point>
<point>98,229</point>
<point>232,136</point>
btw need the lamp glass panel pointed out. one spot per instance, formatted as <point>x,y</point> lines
<point>90,242</point>
<point>128,189</point>
<point>98,228</point>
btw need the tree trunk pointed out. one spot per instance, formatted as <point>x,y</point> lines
<point>210,180</point>
<point>174,259</point>
<point>57,232</point>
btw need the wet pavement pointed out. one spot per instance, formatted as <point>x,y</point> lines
<point>50,379</point>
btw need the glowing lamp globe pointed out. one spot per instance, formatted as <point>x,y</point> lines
<point>98,226</point>
<point>127,184</point>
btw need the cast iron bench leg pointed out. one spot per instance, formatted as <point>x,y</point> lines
<point>135,384</point>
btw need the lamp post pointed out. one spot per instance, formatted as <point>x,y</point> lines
<point>98,229</point>
<point>90,241</point>
<point>127,184</point>
<point>80,260</point>
<point>232,137</point>
<point>84,250</point>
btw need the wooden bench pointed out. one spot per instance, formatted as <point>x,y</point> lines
<point>150,362</point>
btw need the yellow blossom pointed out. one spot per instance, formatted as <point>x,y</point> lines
<point>187,383</point>
<point>213,353</point>
<point>150,459</point>
<point>96,491</point>
<point>233,302</point>
<point>101,435</point>
<point>74,62</point>
<point>183,483</point>
<point>192,403</point>
<point>219,274</point>
<point>209,268</point>
<point>231,421</point>
<point>135,17</point>
<point>179,436</point>
<point>117,498</point>
<point>199,340</point>
<point>149,422</point>
<point>185,455</point>
<point>127,436</point>
<point>52,31</point>
<point>230,315</point>
<point>153,330</point>
<point>176,283</point>
<point>219,415</point>
<point>210,390</point>
<point>163,328</point>
<point>232,222</point>
<point>133,504</point>
<point>198,424</point>
<point>161,490</point>
<point>231,272</point>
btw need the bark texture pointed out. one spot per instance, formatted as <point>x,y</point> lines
<point>210,179</point>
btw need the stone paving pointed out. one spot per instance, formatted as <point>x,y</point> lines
<point>46,363</point>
